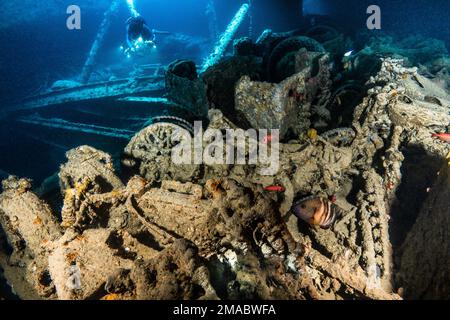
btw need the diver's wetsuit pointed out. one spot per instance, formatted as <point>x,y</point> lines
<point>136,28</point>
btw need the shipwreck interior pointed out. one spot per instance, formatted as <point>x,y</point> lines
<point>93,207</point>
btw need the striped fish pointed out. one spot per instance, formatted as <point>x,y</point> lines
<point>317,211</point>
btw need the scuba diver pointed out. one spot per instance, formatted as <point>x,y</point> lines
<point>141,39</point>
<point>137,29</point>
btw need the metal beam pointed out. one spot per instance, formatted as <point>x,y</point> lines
<point>57,123</point>
<point>91,92</point>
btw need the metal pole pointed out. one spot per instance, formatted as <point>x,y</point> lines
<point>211,13</point>
<point>92,57</point>
<point>226,38</point>
<point>78,127</point>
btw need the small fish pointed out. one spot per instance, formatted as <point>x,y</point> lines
<point>332,198</point>
<point>312,134</point>
<point>275,188</point>
<point>390,185</point>
<point>348,53</point>
<point>317,211</point>
<point>442,136</point>
<point>296,95</point>
<point>111,297</point>
<point>267,139</point>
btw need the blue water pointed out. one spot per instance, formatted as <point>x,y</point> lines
<point>429,18</point>
<point>36,48</point>
<point>39,50</point>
